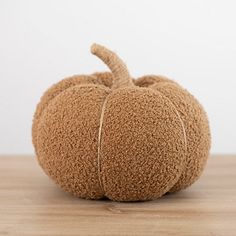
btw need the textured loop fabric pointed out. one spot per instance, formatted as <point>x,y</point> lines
<point>108,135</point>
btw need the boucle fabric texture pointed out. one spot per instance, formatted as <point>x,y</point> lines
<point>108,135</point>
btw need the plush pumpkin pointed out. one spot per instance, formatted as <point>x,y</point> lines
<point>107,135</point>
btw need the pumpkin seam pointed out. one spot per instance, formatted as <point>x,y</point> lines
<point>184,133</point>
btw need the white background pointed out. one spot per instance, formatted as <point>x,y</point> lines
<point>192,42</point>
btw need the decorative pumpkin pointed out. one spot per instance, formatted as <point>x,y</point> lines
<point>107,135</point>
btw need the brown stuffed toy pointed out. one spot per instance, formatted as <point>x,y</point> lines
<point>107,135</point>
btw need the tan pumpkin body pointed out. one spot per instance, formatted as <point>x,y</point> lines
<point>106,135</point>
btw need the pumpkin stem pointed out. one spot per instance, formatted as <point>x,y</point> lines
<point>116,65</point>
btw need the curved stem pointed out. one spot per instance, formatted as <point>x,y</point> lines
<point>116,65</point>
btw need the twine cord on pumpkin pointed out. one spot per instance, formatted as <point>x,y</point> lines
<point>183,128</point>
<point>122,79</point>
<point>116,65</point>
<point>180,119</point>
<point>100,143</point>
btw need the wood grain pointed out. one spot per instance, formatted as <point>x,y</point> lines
<point>30,204</point>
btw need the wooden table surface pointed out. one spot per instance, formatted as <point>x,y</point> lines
<point>30,204</point>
